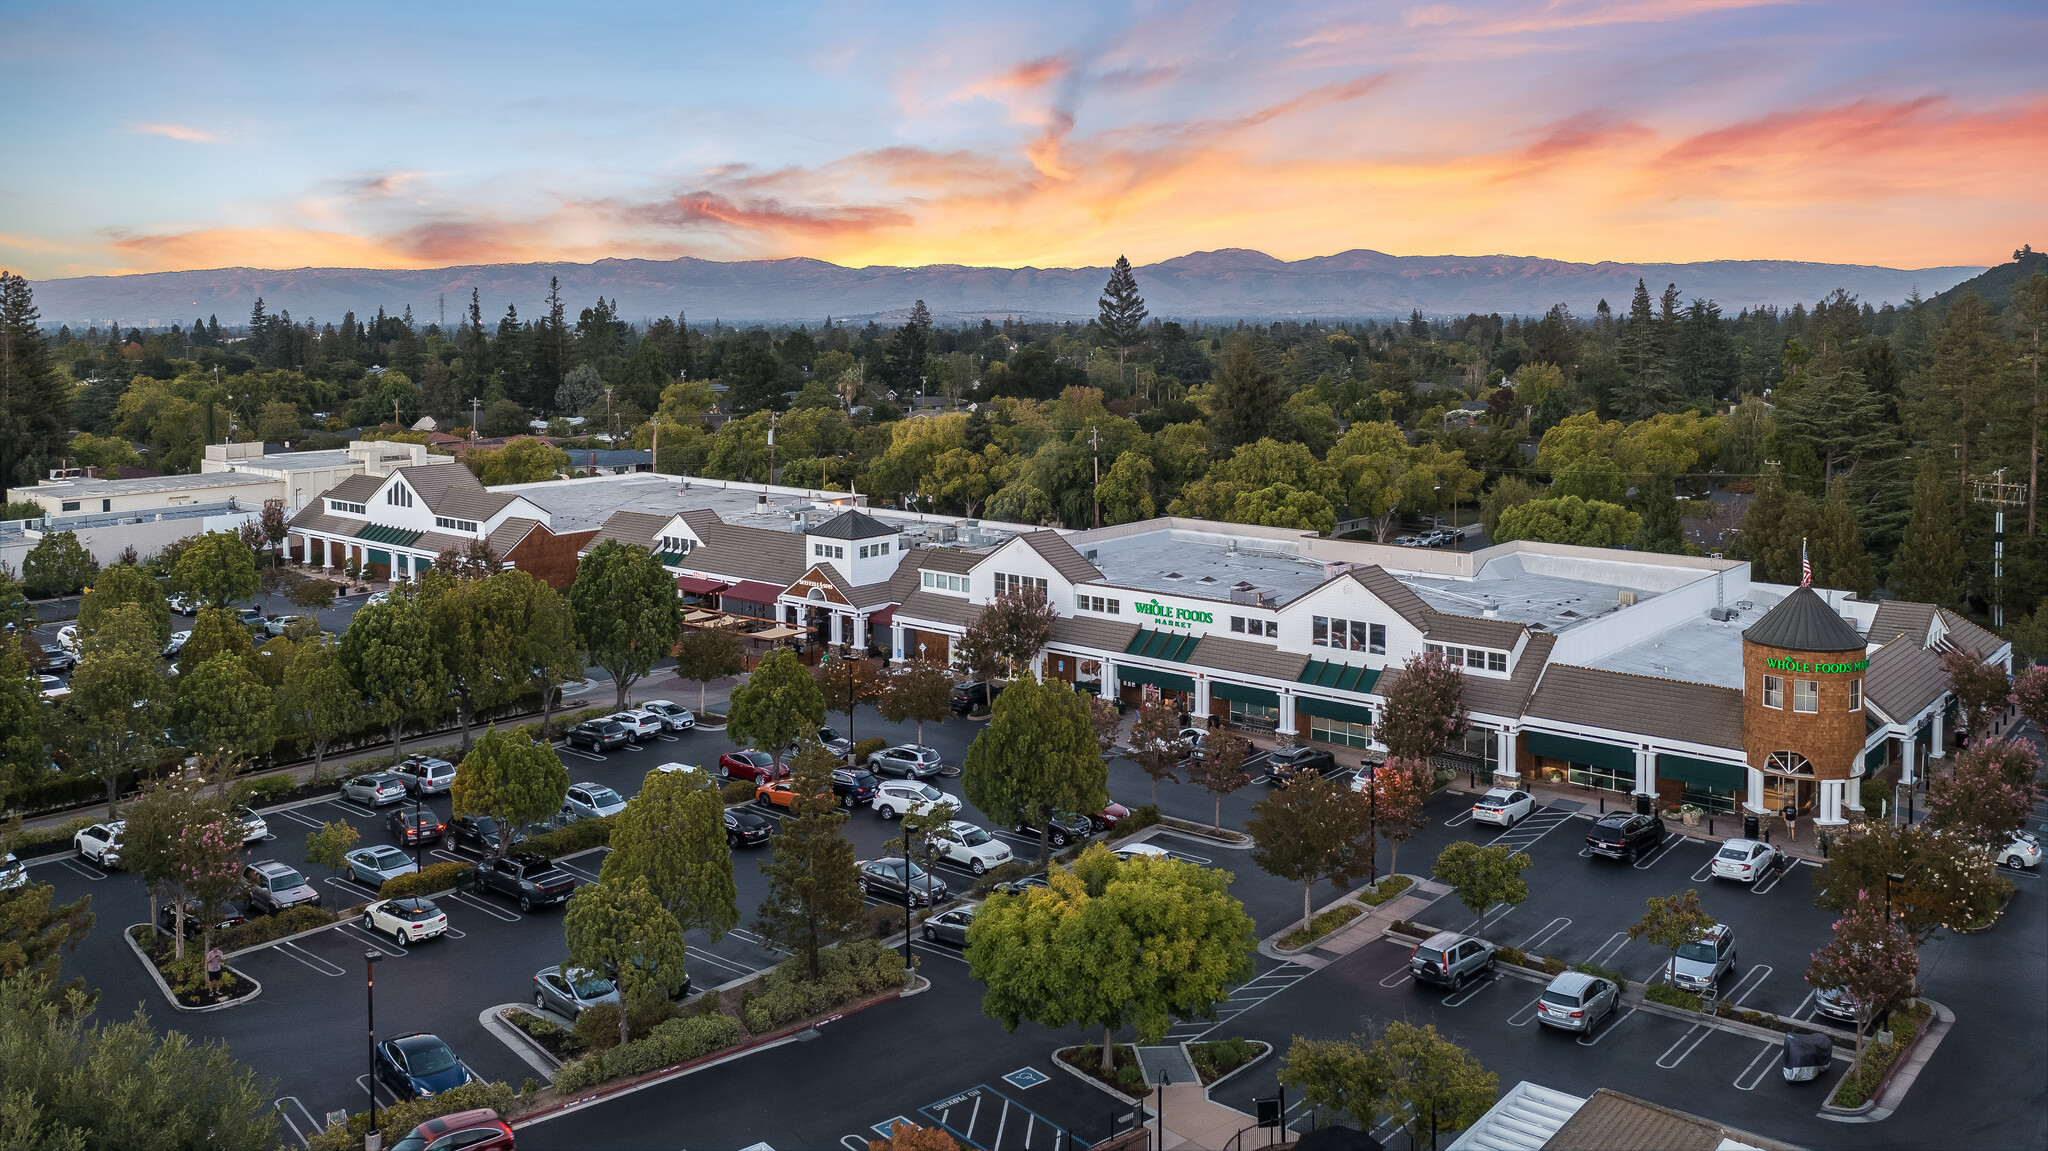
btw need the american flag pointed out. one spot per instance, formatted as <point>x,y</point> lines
<point>1805,567</point>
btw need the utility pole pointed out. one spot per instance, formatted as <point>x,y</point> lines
<point>771,447</point>
<point>2000,495</point>
<point>1095,449</point>
<point>475,405</point>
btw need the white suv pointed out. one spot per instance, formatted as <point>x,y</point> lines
<point>969,846</point>
<point>896,797</point>
<point>673,716</point>
<point>642,725</point>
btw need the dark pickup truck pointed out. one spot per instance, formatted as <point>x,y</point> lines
<point>531,879</point>
<point>1290,763</point>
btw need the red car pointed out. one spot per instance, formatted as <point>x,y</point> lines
<point>1109,817</point>
<point>752,766</point>
<point>478,1130</point>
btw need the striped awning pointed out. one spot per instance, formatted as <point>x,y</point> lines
<point>382,534</point>
<point>1153,643</point>
<point>1342,676</point>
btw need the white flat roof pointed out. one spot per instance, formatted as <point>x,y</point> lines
<point>1201,564</point>
<point>143,485</point>
<point>1697,649</point>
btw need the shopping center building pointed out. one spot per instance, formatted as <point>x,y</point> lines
<point>1673,677</point>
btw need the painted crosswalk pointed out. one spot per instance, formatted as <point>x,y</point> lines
<point>1536,825</point>
<point>1243,998</point>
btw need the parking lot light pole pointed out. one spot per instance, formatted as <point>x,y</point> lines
<point>1890,878</point>
<point>370,958</point>
<point>419,838</point>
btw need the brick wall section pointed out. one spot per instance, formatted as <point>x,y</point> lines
<point>549,557</point>
<point>1831,738</point>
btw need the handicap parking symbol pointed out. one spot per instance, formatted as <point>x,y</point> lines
<point>1026,1077</point>
<point>887,1128</point>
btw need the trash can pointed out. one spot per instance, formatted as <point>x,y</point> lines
<point>1749,825</point>
<point>1643,804</point>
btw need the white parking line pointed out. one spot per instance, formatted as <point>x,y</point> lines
<point>91,873</point>
<point>1776,1051</point>
<point>1545,934</point>
<point>1705,872</point>
<point>294,951</point>
<point>1614,941</point>
<point>579,872</point>
<point>1754,978</point>
<point>717,960</point>
<point>295,817</point>
<point>926,948</point>
<point>1532,827</point>
<point>1683,1046</point>
<point>1397,977</point>
<point>390,950</point>
<point>565,749</point>
<point>1526,1014</point>
<point>469,900</point>
<point>1658,855</point>
<point>1764,886</point>
<point>1807,1006</point>
<point>1460,998</point>
<point>1464,816</point>
<point>1613,1021</point>
<point>313,1126</point>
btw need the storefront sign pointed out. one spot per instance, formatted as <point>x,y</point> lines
<point>1173,616</point>
<point>1817,668</point>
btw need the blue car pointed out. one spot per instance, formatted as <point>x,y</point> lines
<point>420,1066</point>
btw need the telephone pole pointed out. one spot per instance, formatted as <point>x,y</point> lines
<point>1095,450</point>
<point>2000,495</point>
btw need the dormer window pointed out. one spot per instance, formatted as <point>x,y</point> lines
<point>874,551</point>
<point>455,525</point>
<point>940,581</point>
<point>674,545</point>
<point>349,508</point>
<point>828,551</point>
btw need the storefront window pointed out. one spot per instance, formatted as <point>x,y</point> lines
<point>1601,778</point>
<point>1339,732</point>
<point>1806,695</point>
<point>1709,799</point>
<point>1253,715</point>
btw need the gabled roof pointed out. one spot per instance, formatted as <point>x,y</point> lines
<point>1963,633</point>
<point>1640,705</point>
<point>953,561</point>
<point>510,534</point>
<point>1395,594</point>
<point>925,606</point>
<point>357,489</point>
<point>852,524</point>
<point>1803,621</point>
<point>1510,696</point>
<point>1444,627</point>
<point>1248,658</point>
<point>741,552</point>
<point>1897,618</point>
<point>1055,550</point>
<point>1090,632</point>
<point>1904,679</point>
<point>636,528</point>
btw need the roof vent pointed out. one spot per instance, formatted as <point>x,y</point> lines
<point>1490,613</point>
<point>1720,614</point>
<point>1093,553</point>
<point>1628,599</point>
<point>1206,579</point>
<point>1172,575</point>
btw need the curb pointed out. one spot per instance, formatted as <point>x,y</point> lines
<point>1899,1080</point>
<point>523,1045</point>
<point>1232,1074</point>
<point>1092,1081</point>
<point>341,920</point>
<point>1242,842</point>
<point>1270,945</point>
<point>166,987</point>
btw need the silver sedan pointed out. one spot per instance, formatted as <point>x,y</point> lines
<point>572,993</point>
<point>374,865</point>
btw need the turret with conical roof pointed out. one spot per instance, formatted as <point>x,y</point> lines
<point>1802,708</point>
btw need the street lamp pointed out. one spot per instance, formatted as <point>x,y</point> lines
<point>370,959</point>
<point>1890,878</point>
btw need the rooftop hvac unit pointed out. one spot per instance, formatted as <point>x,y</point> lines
<point>1256,596</point>
<point>1628,599</point>
<point>1720,614</point>
<point>1744,605</point>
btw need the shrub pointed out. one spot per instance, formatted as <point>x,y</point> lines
<point>395,1121</point>
<point>262,789</point>
<point>581,835</point>
<point>866,748</point>
<point>1220,1057</point>
<point>597,1028</point>
<point>884,920</point>
<point>1514,955</point>
<point>1386,889</point>
<point>432,878</point>
<point>849,972</point>
<point>738,791</point>
<point>1138,820</point>
<point>265,928</point>
<point>676,1041</point>
<point>1131,1080</point>
<point>1321,925</point>
<point>1553,966</point>
<point>1671,996</point>
<point>1599,972</point>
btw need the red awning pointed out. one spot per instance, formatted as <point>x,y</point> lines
<point>882,618</point>
<point>749,591</point>
<point>697,585</point>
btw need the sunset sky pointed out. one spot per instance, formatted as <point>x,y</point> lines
<point>155,137</point>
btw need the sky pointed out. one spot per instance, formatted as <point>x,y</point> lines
<point>152,137</point>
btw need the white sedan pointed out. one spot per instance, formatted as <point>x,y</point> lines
<point>1130,851</point>
<point>2023,850</point>
<point>1504,806</point>
<point>1746,860</point>
<point>969,846</point>
<point>407,920</point>
<point>673,716</point>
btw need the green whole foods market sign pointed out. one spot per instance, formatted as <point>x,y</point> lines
<point>1819,668</point>
<point>1173,616</point>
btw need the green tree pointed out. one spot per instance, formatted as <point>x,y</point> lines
<point>390,652</point>
<point>1010,632</point>
<point>1483,876</point>
<point>814,897</point>
<point>919,692</point>
<point>1838,559</point>
<point>21,720</point>
<point>216,569</point>
<point>1929,566</point>
<point>706,654</point>
<point>35,401</point>
<point>1112,944</point>
<point>1663,518</point>
<point>1374,458</point>
<point>1590,478</point>
<point>672,836</point>
<point>1773,527</point>
<point>57,565</point>
<point>1672,922</point>
<point>1310,831</point>
<point>1829,410</point>
<point>2030,317</point>
<point>119,1086</point>
<point>125,584</point>
<point>1949,881</point>
<point>1126,492</point>
<point>778,704</point>
<point>1121,310</point>
<point>329,846</point>
<point>224,708</point>
<point>1220,770</point>
<point>36,932</point>
<point>1960,396</point>
<point>1988,793</point>
<point>1248,396</point>
<point>317,702</point>
<point>1335,1075</point>
<point>512,779</point>
<point>122,627</point>
<point>1433,1085</point>
<point>1569,520</point>
<point>113,720</point>
<point>279,422</point>
<point>1871,961</point>
<point>627,611</point>
<point>215,631</point>
<point>530,637</point>
<point>621,931</point>
<point>1036,756</point>
<point>525,460</point>
<point>1158,749</point>
<point>1425,710</point>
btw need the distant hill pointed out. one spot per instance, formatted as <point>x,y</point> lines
<point>1995,285</point>
<point>1230,284</point>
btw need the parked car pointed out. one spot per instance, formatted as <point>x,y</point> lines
<point>410,825</point>
<point>2022,850</point>
<point>897,797</point>
<point>1747,860</point>
<point>1504,806</point>
<point>1066,827</point>
<point>195,922</point>
<point>969,846</point>
<point>375,789</point>
<point>1109,817</point>
<point>1703,963</point>
<point>673,716</point>
<point>570,993</point>
<point>271,887</point>
<point>182,605</point>
<point>854,786</point>
<point>1020,886</point>
<point>1450,960</point>
<point>1576,1001</point>
<point>279,624</point>
<point>420,1066</point>
<point>478,1130</point>
<point>641,725</point>
<point>746,828</point>
<point>598,735</point>
<point>477,834</point>
<point>252,619</point>
<point>1625,836</point>
<point>376,598</point>
<point>592,801</point>
<point>1194,738</point>
<point>57,660</point>
<point>101,843</point>
<point>67,637</point>
<point>673,767</point>
<point>950,926</point>
<point>752,766</point>
<point>884,879</point>
<point>424,774</point>
<point>830,739</point>
<point>1130,851</point>
<point>974,695</point>
<point>177,644</point>
<point>374,865</point>
<point>531,879</point>
<point>254,829</point>
<point>780,793</point>
<point>1290,763</point>
<point>1836,1004</point>
<point>1408,541</point>
<point>407,921</point>
<point>12,873</point>
<point>905,761</point>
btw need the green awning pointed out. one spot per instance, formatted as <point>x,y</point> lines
<point>378,556</point>
<point>1342,676</point>
<point>1706,773</point>
<point>1347,712</point>
<point>422,566</point>
<point>1242,694</point>
<point>1152,643</point>
<point>1617,759</point>
<point>1163,680</point>
<point>380,534</point>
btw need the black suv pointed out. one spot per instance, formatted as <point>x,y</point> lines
<point>476,834</point>
<point>167,918</point>
<point>854,786</point>
<point>411,825</point>
<point>598,735</point>
<point>532,879</point>
<point>974,694</point>
<point>1066,828</point>
<point>1288,763</point>
<point>1625,836</point>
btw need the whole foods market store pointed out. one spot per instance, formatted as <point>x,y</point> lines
<point>1670,777</point>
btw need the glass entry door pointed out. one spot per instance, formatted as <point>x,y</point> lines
<point>1782,791</point>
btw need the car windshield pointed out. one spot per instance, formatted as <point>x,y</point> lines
<point>1702,950</point>
<point>429,1058</point>
<point>1499,796</point>
<point>828,734</point>
<point>928,792</point>
<point>1732,852</point>
<point>589,986</point>
<point>485,825</point>
<point>387,857</point>
<point>916,872</point>
<point>758,758</point>
<point>973,836</point>
<point>604,797</point>
<point>285,880</point>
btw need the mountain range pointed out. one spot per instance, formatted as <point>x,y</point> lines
<point>1229,284</point>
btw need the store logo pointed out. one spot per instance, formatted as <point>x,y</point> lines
<point>1173,616</point>
<point>1816,668</point>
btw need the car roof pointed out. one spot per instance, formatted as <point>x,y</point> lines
<point>1716,931</point>
<point>1614,819</point>
<point>1570,981</point>
<point>417,1041</point>
<point>742,816</point>
<point>529,858</point>
<point>442,1124</point>
<point>271,865</point>
<point>1443,939</point>
<point>1744,843</point>
<point>1493,791</point>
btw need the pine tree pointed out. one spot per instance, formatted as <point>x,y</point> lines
<point>1121,310</point>
<point>1838,559</point>
<point>2030,316</point>
<point>1663,520</point>
<point>814,897</point>
<point>1248,398</point>
<point>1929,566</point>
<point>1957,397</point>
<point>35,406</point>
<point>1828,409</point>
<point>1777,520</point>
<point>1647,389</point>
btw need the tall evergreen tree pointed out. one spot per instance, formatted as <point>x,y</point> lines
<point>1121,310</point>
<point>1647,387</point>
<point>1663,519</point>
<point>1247,400</point>
<point>1829,410</point>
<point>551,349</point>
<point>2030,316</point>
<point>1777,520</point>
<point>1838,559</point>
<point>1929,566</point>
<point>814,897</point>
<point>35,406</point>
<point>1957,397</point>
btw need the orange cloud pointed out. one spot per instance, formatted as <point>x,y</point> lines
<point>175,132</point>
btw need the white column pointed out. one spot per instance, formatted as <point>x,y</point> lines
<point>1038,666</point>
<point>860,631</point>
<point>1830,804</point>
<point>1286,713</point>
<point>1507,772</point>
<point>1940,714</point>
<point>1646,772</point>
<point>1113,690</point>
<point>1852,796</point>
<point>1755,804</point>
<point>1907,749</point>
<point>1198,707</point>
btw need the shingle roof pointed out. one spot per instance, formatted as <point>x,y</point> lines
<point>357,488</point>
<point>773,557</point>
<point>510,534</point>
<point>1640,705</point>
<point>454,491</point>
<point>936,608</point>
<point>1055,550</point>
<point>955,561</point>
<point>1248,658</point>
<point>1612,1121</point>
<point>1904,679</point>
<point>315,517</point>
<point>1444,627</point>
<point>1510,696</point>
<point>1395,594</point>
<point>1087,631</point>
<point>1964,633</point>
<point>1895,618</point>
<point>852,524</point>
<point>637,528</point>
<point>1803,621</point>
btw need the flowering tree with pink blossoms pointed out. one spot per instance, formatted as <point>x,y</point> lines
<point>1988,793</point>
<point>1871,963</point>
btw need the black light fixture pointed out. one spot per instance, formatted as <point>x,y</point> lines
<point>370,959</point>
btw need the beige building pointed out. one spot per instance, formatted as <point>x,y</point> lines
<point>232,477</point>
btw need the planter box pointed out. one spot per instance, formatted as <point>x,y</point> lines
<point>255,988</point>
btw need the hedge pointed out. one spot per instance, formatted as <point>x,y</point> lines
<point>263,789</point>
<point>397,1120</point>
<point>264,928</point>
<point>677,1041</point>
<point>866,748</point>
<point>1138,820</point>
<point>738,791</point>
<point>426,881</point>
<point>581,835</point>
<point>850,971</point>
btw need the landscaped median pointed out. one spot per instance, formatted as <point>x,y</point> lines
<point>1341,913</point>
<point>184,980</point>
<point>1859,1089</point>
